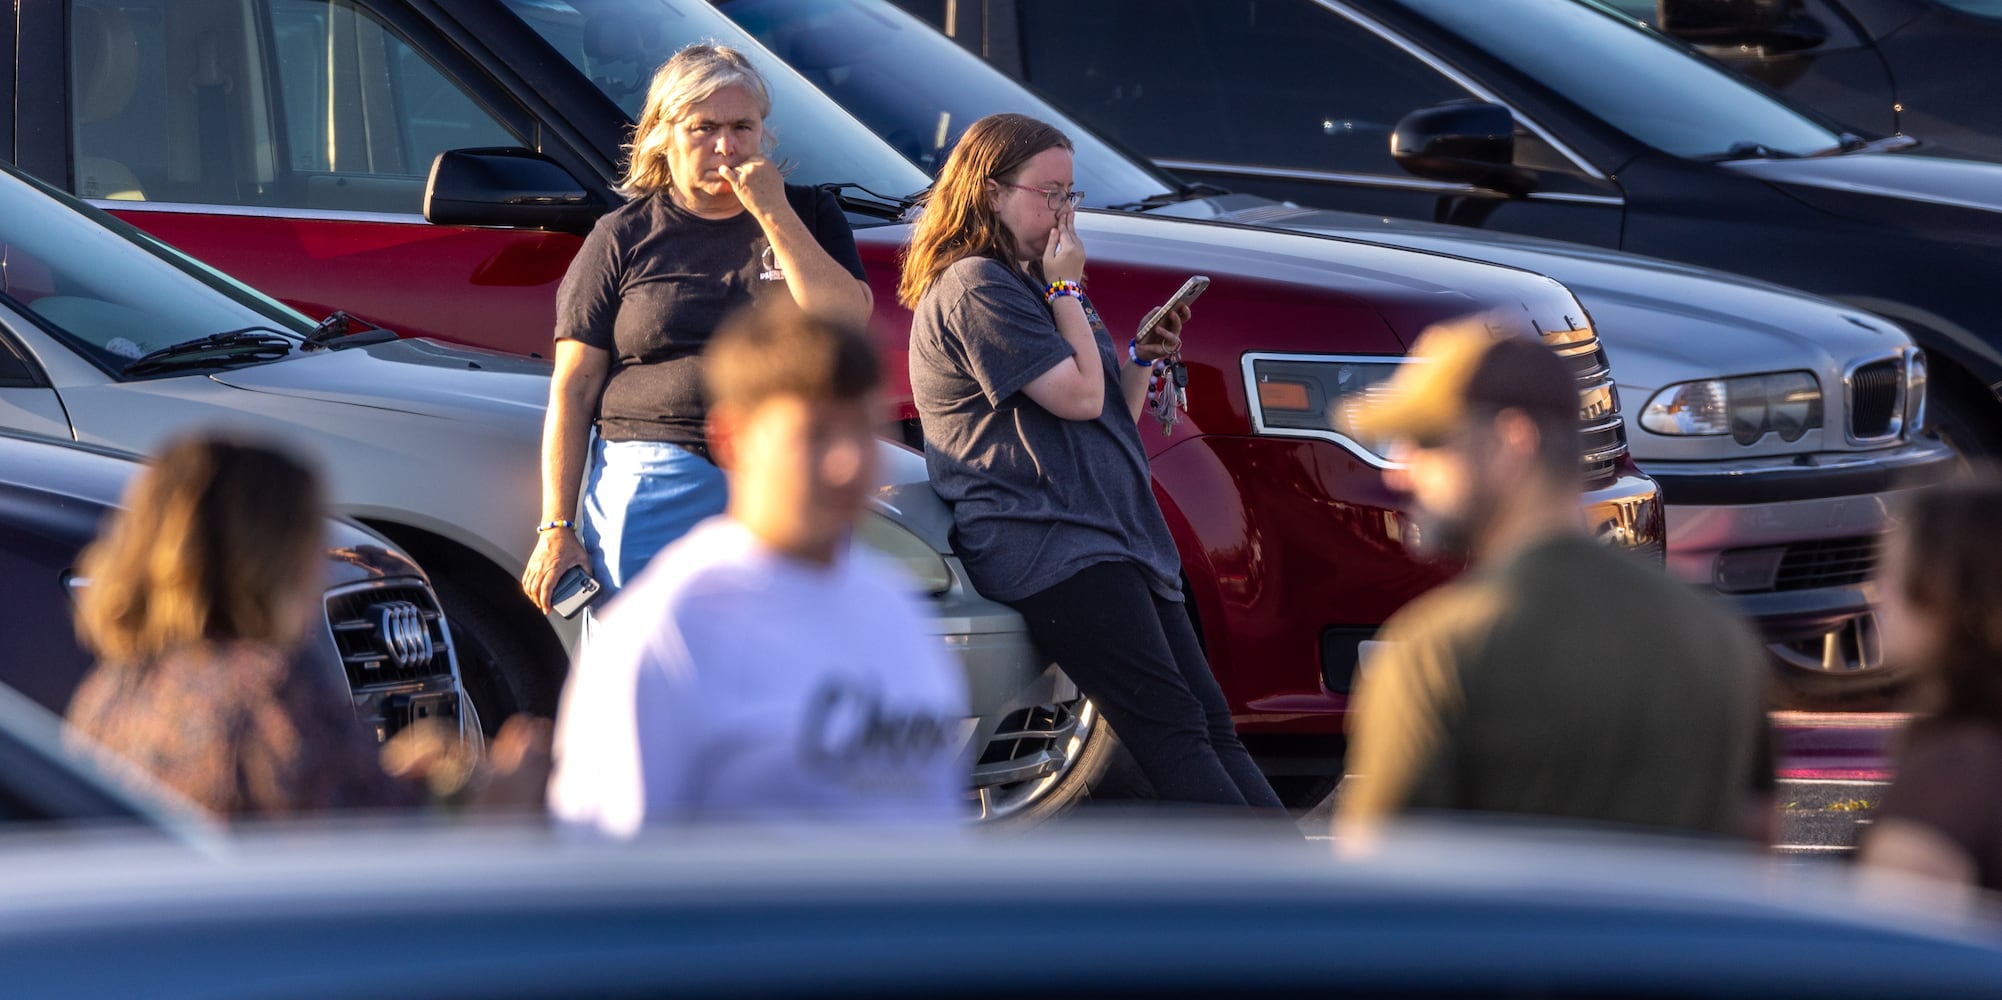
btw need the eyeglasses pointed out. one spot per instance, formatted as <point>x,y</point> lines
<point>1054,197</point>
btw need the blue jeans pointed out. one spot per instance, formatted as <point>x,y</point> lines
<point>639,496</point>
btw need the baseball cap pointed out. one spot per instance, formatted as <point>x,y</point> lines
<point>1460,368</point>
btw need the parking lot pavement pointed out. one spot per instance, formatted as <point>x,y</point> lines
<point>1833,768</point>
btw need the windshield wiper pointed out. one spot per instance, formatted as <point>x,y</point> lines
<point>1751,151</point>
<point>248,344</point>
<point>1852,143</point>
<point>886,205</point>
<point>338,330</point>
<point>1162,199</point>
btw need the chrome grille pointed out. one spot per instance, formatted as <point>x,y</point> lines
<point>1602,429</point>
<point>1876,400</point>
<point>389,634</point>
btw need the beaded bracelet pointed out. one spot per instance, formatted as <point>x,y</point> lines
<point>1133,353</point>
<point>1059,289</point>
<point>553,525</point>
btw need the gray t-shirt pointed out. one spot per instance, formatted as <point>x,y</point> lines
<point>1035,498</point>
<point>652,282</point>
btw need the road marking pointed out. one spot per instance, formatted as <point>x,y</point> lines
<point>1813,848</point>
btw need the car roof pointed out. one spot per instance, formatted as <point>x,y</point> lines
<point>519,911</point>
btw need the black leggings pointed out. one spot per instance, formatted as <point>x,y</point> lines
<point>1137,658</point>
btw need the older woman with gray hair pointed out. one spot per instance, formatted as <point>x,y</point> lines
<point>710,226</point>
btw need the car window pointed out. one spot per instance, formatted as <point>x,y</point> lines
<point>114,291</point>
<point>618,44</point>
<point>919,90</point>
<point>1278,82</point>
<point>1815,24</point>
<point>1979,8</point>
<point>1647,86</point>
<point>304,104</point>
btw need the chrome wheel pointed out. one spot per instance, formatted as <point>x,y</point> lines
<point>1041,749</point>
<point>1850,648</point>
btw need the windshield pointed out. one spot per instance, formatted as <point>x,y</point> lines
<point>919,90</point>
<point>115,292</point>
<point>1639,82</point>
<point>1979,8</point>
<point>619,43</point>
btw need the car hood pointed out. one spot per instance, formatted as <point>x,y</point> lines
<point>78,484</point>
<point>1675,320</point>
<point>1662,322</point>
<point>1934,196</point>
<point>409,376</point>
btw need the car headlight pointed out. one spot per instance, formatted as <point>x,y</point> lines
<point>1747,408</point>
<point>1301,397</point>
<point>901,545</point>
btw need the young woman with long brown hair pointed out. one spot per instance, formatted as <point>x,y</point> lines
<point>1941,611</point>
<point>1030,415</point>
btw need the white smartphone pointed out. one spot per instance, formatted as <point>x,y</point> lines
<point>1183,296</point>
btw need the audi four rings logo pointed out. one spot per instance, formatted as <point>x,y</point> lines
<point>404,634</point>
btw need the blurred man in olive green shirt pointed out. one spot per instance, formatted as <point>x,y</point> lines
<point>1558,678</point>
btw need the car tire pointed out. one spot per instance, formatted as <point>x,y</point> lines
<point>498,667</point>
<point>1960,412</point>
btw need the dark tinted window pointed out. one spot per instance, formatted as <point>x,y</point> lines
<point>1637,81</point>
<point>1282,82</point>
<point>1979,8</point>
<point>916,88</point>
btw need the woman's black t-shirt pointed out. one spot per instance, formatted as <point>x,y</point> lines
<point>650,285</point>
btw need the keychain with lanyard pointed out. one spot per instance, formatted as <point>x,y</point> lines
<point>1168,391</point>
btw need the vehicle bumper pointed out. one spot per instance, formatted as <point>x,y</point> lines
<point>1792,543</point>
<point>1007,683</point>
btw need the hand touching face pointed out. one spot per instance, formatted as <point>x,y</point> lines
<point>724,131</point>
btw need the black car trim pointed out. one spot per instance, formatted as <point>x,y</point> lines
<point>1378,180</point>
<point>41,116</point>
<point>1790,484</point>
<point>7,51</point>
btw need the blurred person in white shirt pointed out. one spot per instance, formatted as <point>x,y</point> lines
<point>762,668</point>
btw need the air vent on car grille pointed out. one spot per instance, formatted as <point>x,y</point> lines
<point>1602,429</point>
<point>1874,406</point>
<point>388,634</point>
<point>1832,562</point>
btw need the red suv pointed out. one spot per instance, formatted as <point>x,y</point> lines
<point>292,143</point>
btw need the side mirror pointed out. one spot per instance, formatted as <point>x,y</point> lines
<point>1467,142</point>
<point>507,187</point>
<point>1771,24</point>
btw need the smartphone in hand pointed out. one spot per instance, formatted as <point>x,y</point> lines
<point>1183,296</point>
<point>575,589</point>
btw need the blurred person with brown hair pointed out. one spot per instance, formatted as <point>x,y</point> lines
<point>202,588</point>
<point>1558,678</point>
<point>1941,617</point>
<point>1030,418</point>
<point>711,226</point>
<point>764,668</point>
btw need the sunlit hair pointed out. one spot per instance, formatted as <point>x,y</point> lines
<point>216,538</point>
<point>762,353</point>
<point>959,220</point>
<point>691,76</point>
<point>1953,572</point>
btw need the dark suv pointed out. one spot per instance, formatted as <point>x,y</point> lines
<point>1557,118</point>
